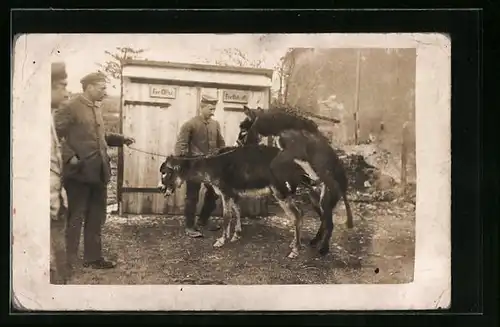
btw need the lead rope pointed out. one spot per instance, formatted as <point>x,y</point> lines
<point>147,152</point>
<point>165,156</point>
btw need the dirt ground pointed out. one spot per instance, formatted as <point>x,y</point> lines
<point>154,250</point>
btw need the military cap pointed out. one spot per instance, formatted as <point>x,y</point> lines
<point>93,78</point>
<point>208,100</point>
<point>58,71</point>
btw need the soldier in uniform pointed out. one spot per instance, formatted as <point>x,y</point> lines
<point>58,199</point>
<point>201,135</point>
<point>87,169</point>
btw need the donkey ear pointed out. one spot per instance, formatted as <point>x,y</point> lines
<point>247,111</point>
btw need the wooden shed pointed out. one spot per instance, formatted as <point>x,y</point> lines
<point>158,97</point>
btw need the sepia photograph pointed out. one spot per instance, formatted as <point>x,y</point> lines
<point>231,171</point>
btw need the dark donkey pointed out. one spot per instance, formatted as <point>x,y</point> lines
<point>237,172</point>
<point>302,143</point>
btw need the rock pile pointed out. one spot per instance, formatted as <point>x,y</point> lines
<point>373,175</point>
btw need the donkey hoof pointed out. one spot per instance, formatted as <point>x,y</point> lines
<point>324,251</point>
<point>235,238</point>
<point>294,254</point>
<point>294,244</point>
<point>313,242</point>
<point>219,243</point>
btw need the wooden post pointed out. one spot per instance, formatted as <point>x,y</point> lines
<point>265,202</point>
<point>356,97</point>
<point>404,154</point>
<point>119,177</point>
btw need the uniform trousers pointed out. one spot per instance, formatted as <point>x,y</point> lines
<point>192,195</point>
<point>87,207</point>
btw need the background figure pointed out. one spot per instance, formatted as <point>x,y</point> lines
<point>87,169</point>
<point>200,135</point>
<point>58,200</point>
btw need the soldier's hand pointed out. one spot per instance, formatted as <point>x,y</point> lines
<point>128,141</point>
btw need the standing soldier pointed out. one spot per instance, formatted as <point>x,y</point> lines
<point>200,135</point>
<point>87,169</point>
<point>58,200</point>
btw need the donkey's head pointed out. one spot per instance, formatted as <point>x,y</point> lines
<point>171,171</point>
<point>247,135</point>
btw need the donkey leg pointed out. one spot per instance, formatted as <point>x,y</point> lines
<point>226,227</point>
<point>314,199</point>
<point>316,202</point>
<point>319,234</point>
<point>237,227</point>
<point>280,168</point>
<point>329,202</point>
<point>291,210</point>
<point>297,233</point>
<point>332,181</point>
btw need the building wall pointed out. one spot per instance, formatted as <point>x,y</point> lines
<point>155,130</point>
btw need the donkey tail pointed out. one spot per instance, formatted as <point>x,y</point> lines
<point>350,223</point>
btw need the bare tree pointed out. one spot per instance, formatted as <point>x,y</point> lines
<point>232,57</point>
<point>298,82</point>
<point>287,69</point>
<point>279,68</point>
<point>113,67</point>
<point>236,57</point>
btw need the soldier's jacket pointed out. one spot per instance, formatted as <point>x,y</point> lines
<point>199,137</point>
<point>81,127</point>
<point>58,198</point>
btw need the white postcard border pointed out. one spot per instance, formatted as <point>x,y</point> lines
<point>430,289</point>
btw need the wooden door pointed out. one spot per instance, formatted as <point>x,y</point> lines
<point>154,123</point>
<point>155,126</point>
